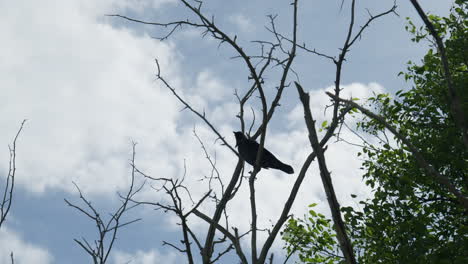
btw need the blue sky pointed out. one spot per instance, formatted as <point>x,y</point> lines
<point>86,84</point>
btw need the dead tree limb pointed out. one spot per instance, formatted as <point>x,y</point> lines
<point>7,197</point>
<point>343,239</point>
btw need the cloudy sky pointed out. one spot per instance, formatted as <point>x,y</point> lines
<point>86,83</point>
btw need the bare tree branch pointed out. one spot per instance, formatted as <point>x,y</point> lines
<point>7,198</point>
<point>188,106</point>
<point>234,238</point>
<point>343,239</point>
<point>107,230</point>
<point>219,209</point>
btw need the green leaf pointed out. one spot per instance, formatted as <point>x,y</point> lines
<point>324,124</point>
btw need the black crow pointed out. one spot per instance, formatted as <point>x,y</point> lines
<point>248,151</point>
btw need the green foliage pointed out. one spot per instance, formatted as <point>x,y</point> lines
<point>411,218</point>
<point>313,239</point>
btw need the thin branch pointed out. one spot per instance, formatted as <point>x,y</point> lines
<point>369,21</point>
<point>214,169</point>
<point>10,179</point>
<point>188,106</point>
<point>253,213</point>
<point>198,204</point>
<point>234,239</point>
<point>208,248</point>
<point>165,243</point>
<point>303,46</point>
<point>194,237</point>
<point>172,25</point>
<point>222,253</point>
<point>107,230</point>
<point>284,76</point>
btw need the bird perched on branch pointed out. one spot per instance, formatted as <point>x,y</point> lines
<point>248,150</point>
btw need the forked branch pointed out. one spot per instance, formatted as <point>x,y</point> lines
<point>100,250</point>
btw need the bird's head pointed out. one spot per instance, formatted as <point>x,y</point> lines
<point>239,137</point>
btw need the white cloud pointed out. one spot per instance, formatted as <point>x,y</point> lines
<point>87,89</point>
<point>23,252</point>
<point>140,5</point>
<point>242,22</point>
<point>210,87</point>
<point>148,257</point>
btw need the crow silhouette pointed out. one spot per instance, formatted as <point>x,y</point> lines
<point>248,151</point>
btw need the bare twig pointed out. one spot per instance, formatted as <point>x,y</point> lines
<point>173,26</point>
<point>208,248</point>
<point>188,106</point>
<point>7,198</point>
<point>235,239</point>
<point>107,230</point>
<point>214,169</point>
<point>284,75</point>
<point>369,21</point>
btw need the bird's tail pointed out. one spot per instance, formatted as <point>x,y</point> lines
<point>286,168</point>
